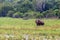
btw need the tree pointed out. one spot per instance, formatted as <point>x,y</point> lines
<point>40,5</point>
<point>23,6</point>
<point>5,10</point>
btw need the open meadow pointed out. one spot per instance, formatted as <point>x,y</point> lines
<point>29,19</point>
<point>18,27</point>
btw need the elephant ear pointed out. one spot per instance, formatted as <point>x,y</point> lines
<point>36,21</point>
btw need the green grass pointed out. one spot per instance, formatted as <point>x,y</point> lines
<point>20,23</point>
<point>18,26</point>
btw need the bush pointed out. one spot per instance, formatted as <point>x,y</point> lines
<point>10,13</point>
<point>18,15</point>
<point>33,14</point>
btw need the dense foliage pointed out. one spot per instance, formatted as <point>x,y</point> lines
<point>30,8</point>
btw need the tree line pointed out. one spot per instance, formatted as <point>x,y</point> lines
<point>30,8</point>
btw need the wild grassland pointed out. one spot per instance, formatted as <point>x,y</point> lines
<point>18,26</point>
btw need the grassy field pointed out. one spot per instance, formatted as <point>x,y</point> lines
<point>18,26</point>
